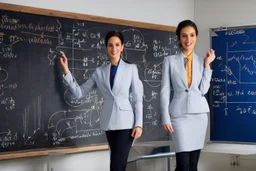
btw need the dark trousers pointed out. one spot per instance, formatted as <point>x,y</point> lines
<point>120,142</point>
<point>187,161</point>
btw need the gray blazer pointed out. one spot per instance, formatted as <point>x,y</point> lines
<point>117,110</point>
<point>183,100</point>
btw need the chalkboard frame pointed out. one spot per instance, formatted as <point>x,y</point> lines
<point>78,16</point>
<point>211,34</point>
<point>210,93</point>
<point>223,28</point>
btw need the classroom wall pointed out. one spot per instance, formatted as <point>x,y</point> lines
<point>216,13</point>
<point>213,14</point>
<point>166,12</point>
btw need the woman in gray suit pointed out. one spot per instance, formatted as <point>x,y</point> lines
<point>185,80</point>
<point>121,120</point>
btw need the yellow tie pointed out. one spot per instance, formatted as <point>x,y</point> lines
<point>189,69</point>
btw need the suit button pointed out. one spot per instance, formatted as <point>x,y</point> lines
<point>186,90</point>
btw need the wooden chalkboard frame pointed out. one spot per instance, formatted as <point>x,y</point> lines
<point>47,12</point>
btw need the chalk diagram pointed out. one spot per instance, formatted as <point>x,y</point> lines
<point>80,42</point>
<point>3,77</point>
<point>162,48</point>
<point>153,74</point>
<point>80,38</point>
<point>135,48</point>
<point>85,50</point>
<point>6,50</point>
<point>75,123</point>
<point>153,96</point>
<point>151,118</point>
<point>52,56</point>
<point>8,139</point>
<point>8,102</point>
<point>32,122</point>
<point>239,69</point>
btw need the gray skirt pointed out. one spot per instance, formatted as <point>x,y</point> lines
<point>189,131</point>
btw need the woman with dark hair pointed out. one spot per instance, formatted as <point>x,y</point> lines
<point>186,78</point>
<point>120,119</point>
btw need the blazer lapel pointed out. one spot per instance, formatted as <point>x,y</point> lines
<point>119,75</point>
<point>195,65</point>
<point>106,73</point>
<point>181,68</point>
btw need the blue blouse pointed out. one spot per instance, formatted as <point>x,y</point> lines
<point>113,70</point>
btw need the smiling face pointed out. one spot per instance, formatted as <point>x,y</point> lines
<point>114,48</point>
<point>188,38</point>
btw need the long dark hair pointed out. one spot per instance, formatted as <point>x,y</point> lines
<point>118,34</point>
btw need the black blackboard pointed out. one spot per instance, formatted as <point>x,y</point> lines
<point>233,84</point>
<point>36,109</point>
